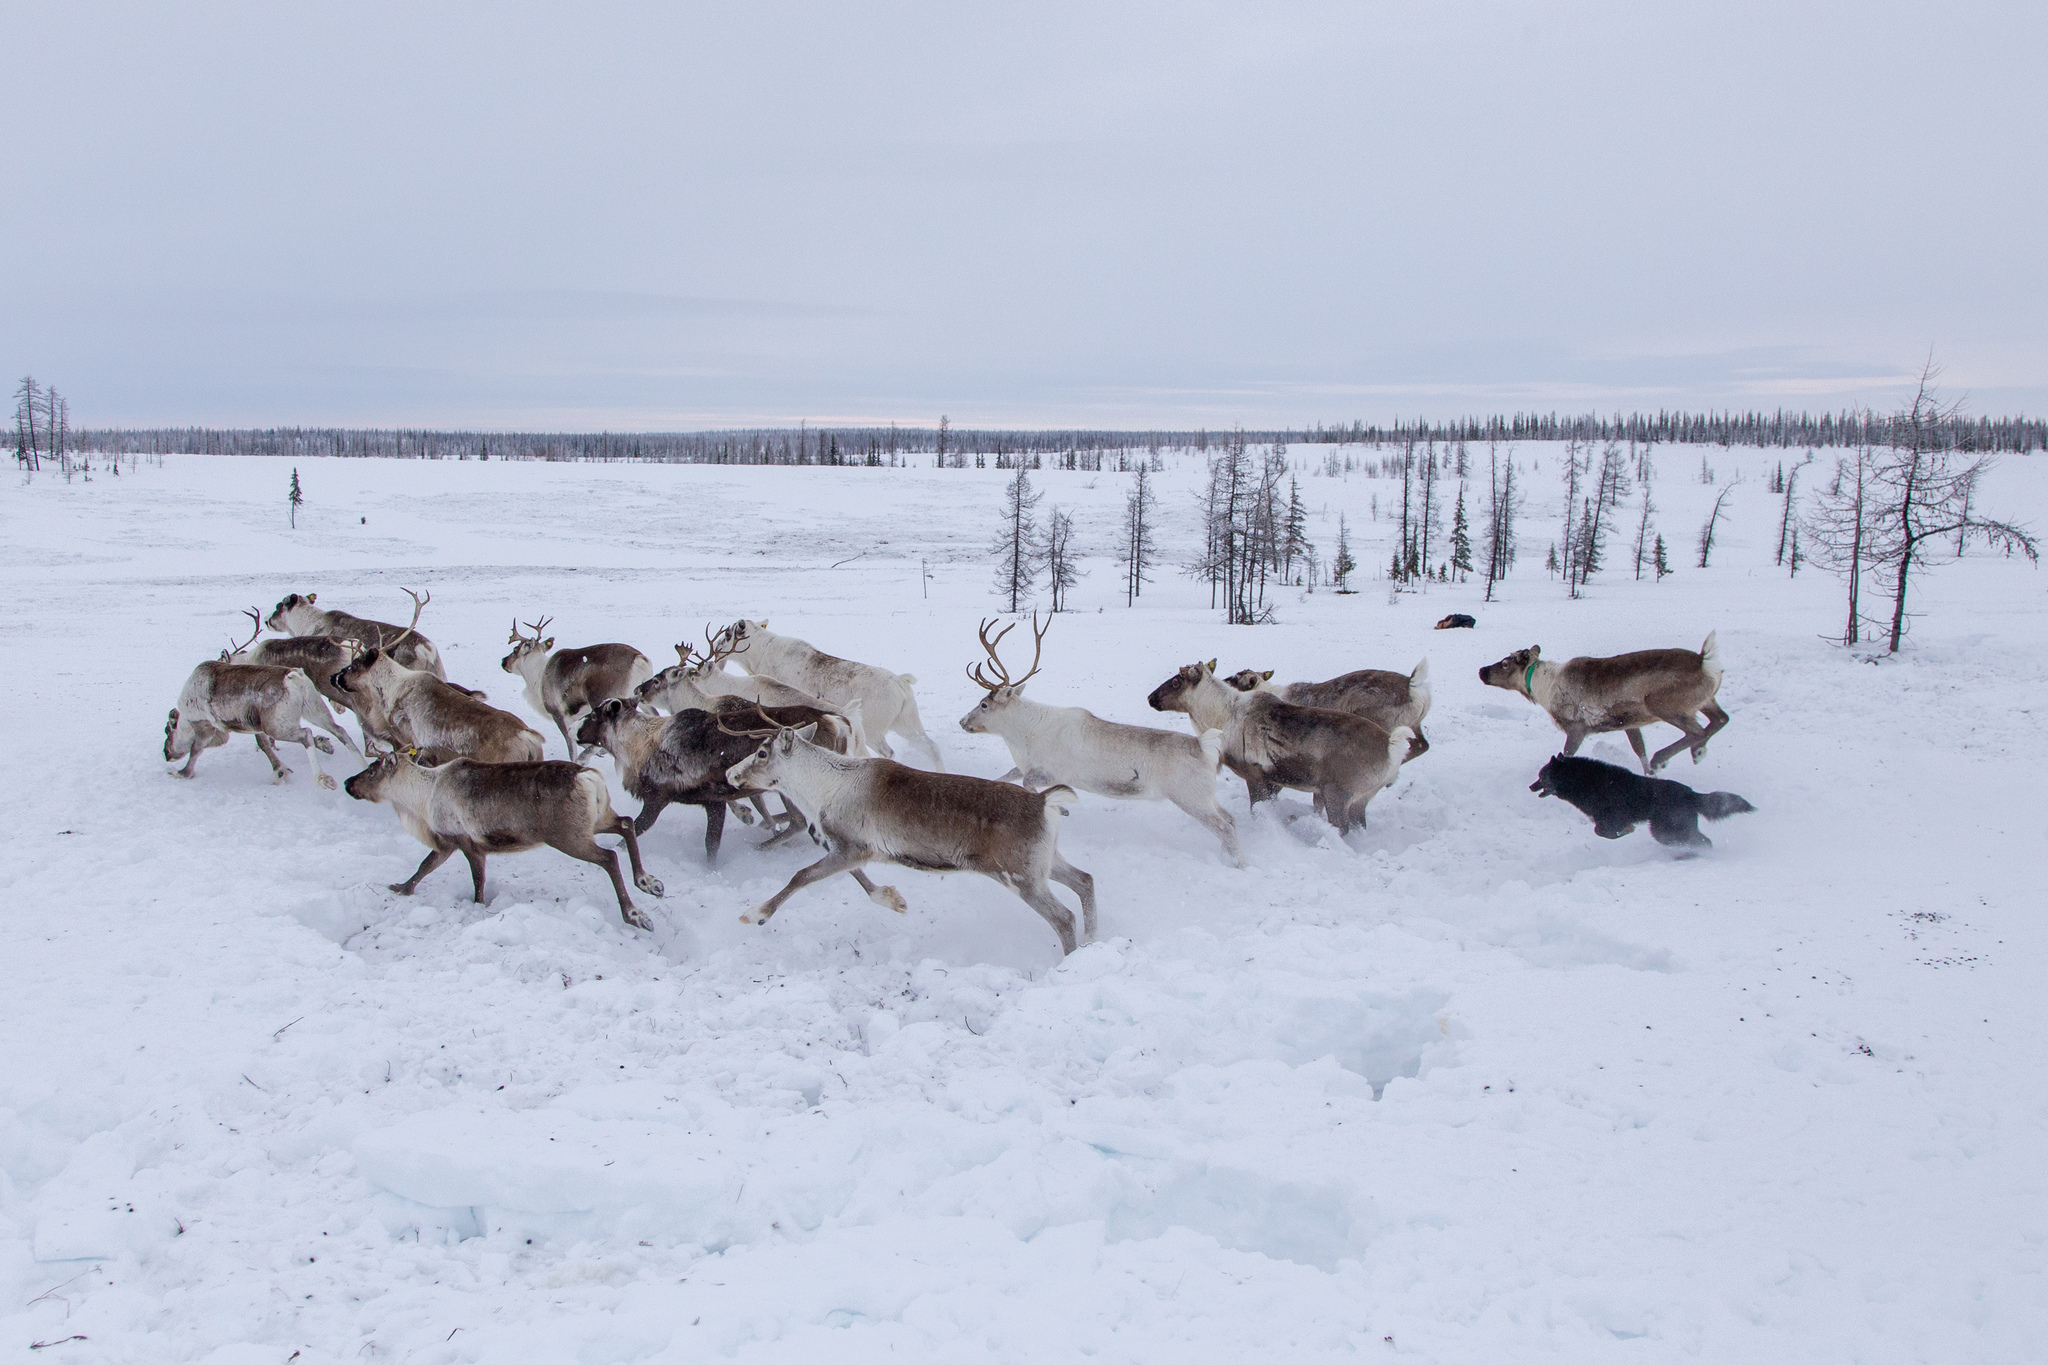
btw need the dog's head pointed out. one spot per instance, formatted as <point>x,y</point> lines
<point>1546,781</point>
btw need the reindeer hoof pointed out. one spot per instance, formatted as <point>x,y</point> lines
<point>326,782</point>
<point>401,888</point>
<point>889,898</point>
<point>651,885</point>
<point>282,774</point>
<point>323,744</point>
<point>638,919</point>
<point>176,773</point>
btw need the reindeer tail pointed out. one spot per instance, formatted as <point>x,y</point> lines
<point>1212,748</point>
<point>1058,801</point>
<point>907,679</point>
<point>858,742</point>
<point>1397,745</point>
<point>1721,805</point>
<point>1710,659</point>
<point>596,796</point>
<point>1418,688</point>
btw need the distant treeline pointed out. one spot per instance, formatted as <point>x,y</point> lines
<point>946,445</point>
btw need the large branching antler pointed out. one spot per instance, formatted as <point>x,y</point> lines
<point>256,618</point>
<point>995,662</point>
<point>718,647</point>
<point>419,604</point>
<point>537,627</point>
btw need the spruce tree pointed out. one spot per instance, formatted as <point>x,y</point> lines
<point>1461,535</point>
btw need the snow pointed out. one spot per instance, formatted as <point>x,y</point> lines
<point>1472,1086</point>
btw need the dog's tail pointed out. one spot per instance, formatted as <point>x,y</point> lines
<point>1721,805</point>
<point>1710,659</point>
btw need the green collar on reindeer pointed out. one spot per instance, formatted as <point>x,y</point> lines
<point>1529,678</point>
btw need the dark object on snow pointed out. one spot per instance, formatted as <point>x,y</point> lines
<point>1617,800</point>
<point>1457,620</point>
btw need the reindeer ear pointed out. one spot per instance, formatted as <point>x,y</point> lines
<point>311,598</point>
<point>1211,665</point>
<point>1267,675</point>
<point>808,733</point>
<point>1535,652</point>
<point>548,643</point>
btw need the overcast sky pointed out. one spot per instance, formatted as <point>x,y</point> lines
<point>681,216</point>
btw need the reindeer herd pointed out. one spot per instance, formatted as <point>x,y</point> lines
<point>798,724</point>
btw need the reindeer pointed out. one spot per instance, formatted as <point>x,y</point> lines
<point>683,758</point>
<point>1386,699</point>
<point>410,706</point>
<point>685,684</point>
<point>319,656</point>
<point>486,808</point>
<point>1075,748</point>
<point>1586,696</point>
<point>1344,760</point>
<point>297,615</point>
<point>272,703</point>
<point>872,809</point>
<point>564,684</point>
<point>887,703</point>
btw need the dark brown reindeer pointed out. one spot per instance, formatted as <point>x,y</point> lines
<point>1343,760</point>
<point>1587,696</point>
<point>1385,698</point>
<point>876,810</point>
<point>565,684</point>
<point>478,809</point>
<point>682,759</point>
<point>297,615</point>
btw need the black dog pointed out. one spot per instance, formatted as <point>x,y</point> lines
<point>1617,801</point>
<point>1457,620</point>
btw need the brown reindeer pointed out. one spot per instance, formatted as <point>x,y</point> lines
<point>409,707</point>
<point>297,615</point>
<point>1586,696</point>
<point>479,809</point>
<point>1385,698</point>
<point>564,684</point>
<point>1344,760</point>
<point>876,810</point>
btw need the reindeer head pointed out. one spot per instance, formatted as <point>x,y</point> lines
<point>1249,679</point>
<point>1172,695</point>
<point>596,730</point>
<point>293,607</point>
<point>1003,690</point>
<point>375,783</point>
<point>361,671</point>
<point>524,646</point>
<point>763,769</point>
<point>1514,671</point>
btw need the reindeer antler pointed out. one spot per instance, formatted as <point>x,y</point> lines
<point>256,616</point>
<point>774,726</point>
<point>995,662</point>
<point>419,604</point>
<point>719,647</point>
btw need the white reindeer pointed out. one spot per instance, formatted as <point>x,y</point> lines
<point>1073,747</point>
<point>222,699</point>
<point>887,703</point>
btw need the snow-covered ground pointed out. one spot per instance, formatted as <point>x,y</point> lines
<point>1475,1086</point>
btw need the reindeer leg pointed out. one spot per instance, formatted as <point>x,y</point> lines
<point>588,850</point>
<point>1635,741</point>
<point>1574,736</point>
<point>476,872</point>
<point>714,831</point>
<point>1218,821</point>
<point>562,724</point>
<point>650,811</point>
<point>1694,737</point>
<point>313,743</point>
<point>641,879</point>
<point>1082,885</point>
<point>433,860</point>
<point>1716,719</point>
<point>888,897</point>
<point>327,722</point>
<point>1039,897</point>
<point>833,862</point>
<point>270,752</point>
